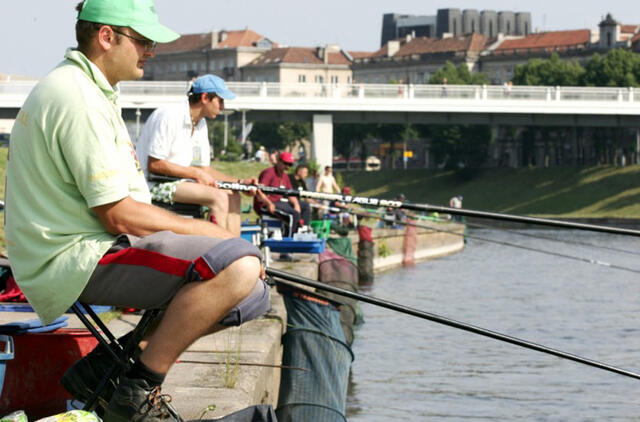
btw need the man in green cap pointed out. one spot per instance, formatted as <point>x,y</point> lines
<point>79,223</point>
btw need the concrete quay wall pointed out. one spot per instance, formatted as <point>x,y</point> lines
<point>434,240</point>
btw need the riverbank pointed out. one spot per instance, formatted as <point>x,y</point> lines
<point>600,192</point>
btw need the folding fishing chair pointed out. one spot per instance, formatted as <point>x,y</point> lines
<point>122,354</point>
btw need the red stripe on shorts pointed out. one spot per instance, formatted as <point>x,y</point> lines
<point>203,269</point>
<point>145,258</point>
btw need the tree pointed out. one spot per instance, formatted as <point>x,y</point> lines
<point>460,146</point>
<point>457,75</point>
<point>550,72</point>
<point>346,136</point>
<point>279,135</point>
<point>216,139</point>
<point>393,133</point>
<point>619,67</point>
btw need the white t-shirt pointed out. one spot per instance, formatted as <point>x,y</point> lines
<point>166,135</point>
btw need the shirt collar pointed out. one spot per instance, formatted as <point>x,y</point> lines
<point>96,75</point>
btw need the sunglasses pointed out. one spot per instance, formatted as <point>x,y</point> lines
<point>148,45</point>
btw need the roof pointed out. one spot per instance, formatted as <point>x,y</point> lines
<point>426,45</point>
<point>232,39</point>
<point>360,54</point>
<point>629,29</point>
<point>548,40</point>
<point>301,55</point>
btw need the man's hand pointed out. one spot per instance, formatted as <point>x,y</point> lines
<point>205,178</point>
<point>271,207</point>
<point>296,207</point>
<point>251,181</point>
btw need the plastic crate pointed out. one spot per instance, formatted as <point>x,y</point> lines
<point>321,227</point>
<point>288,245</point>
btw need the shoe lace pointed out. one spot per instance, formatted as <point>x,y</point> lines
<point>158,403</point>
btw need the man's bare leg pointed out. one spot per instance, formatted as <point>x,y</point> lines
<point>195,311</point>
<point>216,199</point>
<point>234,218</point>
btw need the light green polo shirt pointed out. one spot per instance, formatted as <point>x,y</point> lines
<point>69,152</point>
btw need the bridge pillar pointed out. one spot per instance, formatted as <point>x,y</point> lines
<point>322,139</point>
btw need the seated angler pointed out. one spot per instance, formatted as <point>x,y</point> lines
<point>80,224</point>
<point>276,205</point>
<point>174,142</point>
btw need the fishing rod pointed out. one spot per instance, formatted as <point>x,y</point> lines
<point>377,202</point>
<point>486,226</point>
<point>282,275</point>
<point>498,242</point>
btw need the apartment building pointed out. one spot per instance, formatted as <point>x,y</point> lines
<point>328,64</point>
<point>222,53</point>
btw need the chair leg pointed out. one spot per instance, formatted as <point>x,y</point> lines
<point>122,354</point>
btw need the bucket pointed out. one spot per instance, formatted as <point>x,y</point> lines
<point>32,379</point>
<point>321,227</point>
<point>5,355</point>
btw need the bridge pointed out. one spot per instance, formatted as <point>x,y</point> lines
<point>325,104</point>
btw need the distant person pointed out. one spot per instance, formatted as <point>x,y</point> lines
<point>275,204</point>
<point>299,179</point>
<point>327,183</point>
<point>273,157</point>
<point>444,87</point>
<point>261,155</point>
<point>456,202</point>
<point>312,180</point>
<point>248,150</point>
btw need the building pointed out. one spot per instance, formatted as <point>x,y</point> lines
<point>453,22</point>
<point>413,60</point>
<point>506,43</point>
<point>222,53</point>
<point>328,64</point>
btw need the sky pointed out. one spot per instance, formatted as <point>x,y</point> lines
<point>35,33</point>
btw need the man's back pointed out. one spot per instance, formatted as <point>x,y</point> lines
<point>70,151</point>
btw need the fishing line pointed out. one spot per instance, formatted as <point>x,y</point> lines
<point>282,275</point>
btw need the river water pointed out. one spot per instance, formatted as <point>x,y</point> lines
<point>412,369</point>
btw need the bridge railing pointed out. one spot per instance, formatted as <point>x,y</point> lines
<point>272,90</point>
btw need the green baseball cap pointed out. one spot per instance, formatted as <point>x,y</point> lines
<point>139,15</point>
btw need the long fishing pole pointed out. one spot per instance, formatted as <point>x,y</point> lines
<point>513,232</point>
<point>377,202</point>
<point>444,321</point>
<point>498,242</point>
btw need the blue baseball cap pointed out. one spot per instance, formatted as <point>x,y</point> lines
<point>212,84</point>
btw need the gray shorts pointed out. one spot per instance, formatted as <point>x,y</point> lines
<point>146,272</point>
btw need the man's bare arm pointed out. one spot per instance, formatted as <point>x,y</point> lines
<point>167,168</point>
<point>140,219</point>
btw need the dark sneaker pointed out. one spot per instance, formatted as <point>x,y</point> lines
<point>135,401</point>
<point>83,377</point>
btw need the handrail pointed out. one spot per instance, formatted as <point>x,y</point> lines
<point>396,92</point>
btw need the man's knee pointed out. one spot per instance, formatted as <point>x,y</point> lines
<point>253,306</point>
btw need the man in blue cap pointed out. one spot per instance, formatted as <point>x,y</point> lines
<point>79,223</point>
<point>174,142</point>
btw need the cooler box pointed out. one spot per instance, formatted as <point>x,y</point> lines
<point>288,245</point>
<point>249,233</point>
<point>32,379</point>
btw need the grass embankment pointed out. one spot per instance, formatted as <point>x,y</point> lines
<point>590,192</point>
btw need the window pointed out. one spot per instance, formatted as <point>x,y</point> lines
<point>212,64</point>
<point>174,67</point>
<point>334,79</point>
<point>319,79</point>
<point>302,78</point>
<point>183,67</point>
<point>508,28</point>
<point>348,79</point>
<point>491,29</point>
